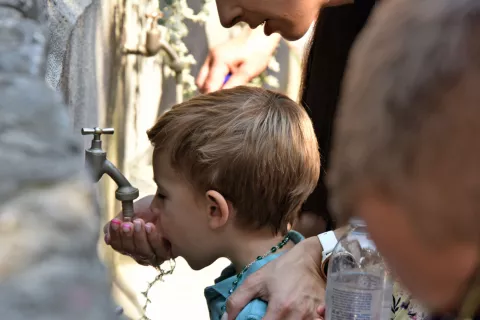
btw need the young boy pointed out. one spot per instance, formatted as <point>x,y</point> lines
<point>232,169</point>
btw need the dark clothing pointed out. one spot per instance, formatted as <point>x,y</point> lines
<point>334,34</point>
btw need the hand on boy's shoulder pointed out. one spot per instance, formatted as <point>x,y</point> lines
<point>255,310</point>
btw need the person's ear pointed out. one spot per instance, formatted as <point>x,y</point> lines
<point>218,209</point>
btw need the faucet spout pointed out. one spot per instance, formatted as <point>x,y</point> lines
<point>98,165</point>
<point>125,193</point>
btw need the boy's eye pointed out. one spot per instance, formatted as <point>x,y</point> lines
<point>160,196</point>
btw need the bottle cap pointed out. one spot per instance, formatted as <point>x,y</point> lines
<point>357,222</point>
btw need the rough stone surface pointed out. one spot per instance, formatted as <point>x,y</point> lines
<point>49,267</point>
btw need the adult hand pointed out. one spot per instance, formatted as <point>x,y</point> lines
<point>139,239</point>
<point>242,57</point>
<point>291,284</point>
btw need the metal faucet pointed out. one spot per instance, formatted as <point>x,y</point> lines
<point>154,43</point>
<point>97,163</point>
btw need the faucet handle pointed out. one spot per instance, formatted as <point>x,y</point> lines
<point>155,15</point>
<point>97,131</point>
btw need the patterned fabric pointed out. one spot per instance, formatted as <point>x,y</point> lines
<point>404,307</point>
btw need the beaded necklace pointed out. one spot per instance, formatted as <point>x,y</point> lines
<point>274,249</point>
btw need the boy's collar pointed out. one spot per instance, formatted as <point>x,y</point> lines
<point>224,283</point>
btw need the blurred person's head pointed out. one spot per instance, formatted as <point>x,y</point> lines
<point>229,165</point>
<point>407,145</point>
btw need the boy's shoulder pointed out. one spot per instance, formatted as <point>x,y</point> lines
<point>218,294</point>
<point>256,309</point>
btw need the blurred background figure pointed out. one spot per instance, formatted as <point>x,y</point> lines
<point>406,156</point>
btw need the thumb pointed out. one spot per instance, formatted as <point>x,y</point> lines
<point>203,74</point>
<point>248,291</point>
<point>216,76</point>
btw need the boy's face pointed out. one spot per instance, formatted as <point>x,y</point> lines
<point>183,216</point>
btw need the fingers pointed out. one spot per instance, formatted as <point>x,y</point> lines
<point>203,73</point>
<point>107,238</point>
<point>142,211</point>
<point>216,76</point>
<point>277,311</point>
<point>251,67</point>
<point>290,296</point>
<point>162,253</point>
<point>131,239</point>
<point>106,227</point>
<point>126,240</point>
<point>115,240</point>
<point>288,310</point>
<point>249,290</point>
<point>239,77</point>
<point>213,72</point>
<point>143,249</point>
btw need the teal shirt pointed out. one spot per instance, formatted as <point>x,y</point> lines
<point>218,294</point>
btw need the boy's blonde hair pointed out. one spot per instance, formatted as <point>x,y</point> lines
<point>256,147</point>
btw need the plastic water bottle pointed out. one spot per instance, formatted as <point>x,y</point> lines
<point>358,283</point>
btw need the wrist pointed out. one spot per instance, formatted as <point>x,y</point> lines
<point>328,241</point>
<point>314,249</point>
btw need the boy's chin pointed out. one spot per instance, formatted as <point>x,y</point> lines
<point>197,265</point>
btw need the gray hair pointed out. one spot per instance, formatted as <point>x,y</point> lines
<point>409,121</point>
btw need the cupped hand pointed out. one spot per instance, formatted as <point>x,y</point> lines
<point>139,239</point>
<point>243,58</point>
<point>291,284</point>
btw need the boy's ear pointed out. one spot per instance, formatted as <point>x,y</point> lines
<point>219,210</point>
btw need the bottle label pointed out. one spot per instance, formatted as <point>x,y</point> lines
<point>351,299</point>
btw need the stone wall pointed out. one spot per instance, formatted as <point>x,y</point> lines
<point>49,217</point>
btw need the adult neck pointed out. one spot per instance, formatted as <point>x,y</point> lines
<point>245,246</point>
<point>470,302</point>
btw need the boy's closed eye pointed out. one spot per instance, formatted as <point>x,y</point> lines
<point>160,191</point>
